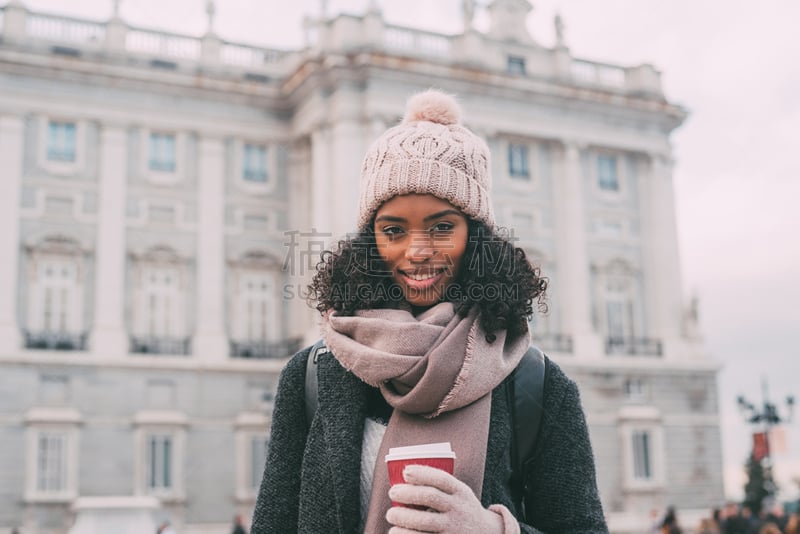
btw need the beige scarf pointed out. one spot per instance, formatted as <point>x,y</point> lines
<point>437,371</point>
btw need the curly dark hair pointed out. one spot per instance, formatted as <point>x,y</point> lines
<point>496,276</point>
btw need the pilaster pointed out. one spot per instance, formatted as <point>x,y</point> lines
<point>210,340</point>
<point>573,259</point>
<point>321,188</point>
<point>11,153</point>
<point>347,149</point>
<point>108,331</point>
<point>663,283</point>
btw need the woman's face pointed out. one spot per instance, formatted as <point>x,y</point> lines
<point>421,239</point>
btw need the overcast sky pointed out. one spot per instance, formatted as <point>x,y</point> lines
<point>735,66</point>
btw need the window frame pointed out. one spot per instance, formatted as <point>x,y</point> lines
<point>516,65</point>
<point>59,252</point>
<point>621,162</point>
<point>639,420</point>
<point>602,182</point>
<point>638,393</point>
<point>61,167</point>
<point>62,422</point>
<point>618,281</point>
<point>239,146</point>
<point>247,161</point>
<point>249,426</point>
<point>241,299</point>
<point>160,423</point>
<point>56,153</point>
<point>165,177</point>
<point>524,173</point>
<point>161,260</point>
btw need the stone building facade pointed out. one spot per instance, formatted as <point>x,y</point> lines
<point>164,197</point>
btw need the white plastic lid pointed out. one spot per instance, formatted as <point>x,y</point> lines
<point>428,450</point>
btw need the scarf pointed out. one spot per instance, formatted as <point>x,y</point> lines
<point>437,371</point>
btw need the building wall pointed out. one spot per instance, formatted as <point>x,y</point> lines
<point>315,111</point>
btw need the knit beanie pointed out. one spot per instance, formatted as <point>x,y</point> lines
<point>428,152</point>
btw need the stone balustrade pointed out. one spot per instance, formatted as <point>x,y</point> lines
<point>343,33</point>
<point>163,44</point>
<point>418,41</point>
<point>64,29</point>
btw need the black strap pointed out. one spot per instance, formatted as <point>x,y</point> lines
<point>526,391</point>
<point>312,393</point>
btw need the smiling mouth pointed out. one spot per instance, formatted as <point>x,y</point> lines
<point>422,280</point>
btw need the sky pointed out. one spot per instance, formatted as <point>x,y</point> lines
<point>735,65</point>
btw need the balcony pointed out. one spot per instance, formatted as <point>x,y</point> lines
<point>261,350</point>
<point>633,346</point>
<point>553,342</point>
<point>160,345</point>
<point>54,340</point>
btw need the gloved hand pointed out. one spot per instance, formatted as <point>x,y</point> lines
<point>452,507</point>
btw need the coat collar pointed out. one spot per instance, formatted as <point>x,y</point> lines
<point>342,408</point>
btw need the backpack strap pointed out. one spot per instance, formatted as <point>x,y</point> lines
<point>312,399</point>
<point>525,396</point>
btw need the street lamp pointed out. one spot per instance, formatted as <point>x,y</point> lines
<point>765,417</point>
<point>768,414</point>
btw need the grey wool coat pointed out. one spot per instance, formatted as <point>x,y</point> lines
<point>311,479</point>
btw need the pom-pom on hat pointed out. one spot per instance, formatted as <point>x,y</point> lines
<point>428,152</point>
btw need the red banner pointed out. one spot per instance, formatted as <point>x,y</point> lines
<point>760,446</point>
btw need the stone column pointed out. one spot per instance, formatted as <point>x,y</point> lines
<point>12,131</point>
<point>572,256</point>
<point>108,331</point>
<point>663,283</point>
<point>347,148</point>
<point>210,341</point>
<point>302,320</point>
<point>321,190</point>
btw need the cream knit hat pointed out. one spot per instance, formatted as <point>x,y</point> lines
<point>428,152</point>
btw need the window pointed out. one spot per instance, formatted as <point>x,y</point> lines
<point>51,462</point>
<point>55,297</point>
<point>159,304</point>
<point>159,463</point>
<point>641,445</point>
<point>518,161</point>
<point>57,279</point>
<point>257,303</point>
<point>254,163</point>
<point>160,313</point>
<point>619,318</point>
<point>252,445</point>
<point>61,141</point>
<point>162,152</point>
<point>516,65</point>
<point>254,324</point>
<point>607,175</point>
<point>51,454</point>
<point>160,451</point>
<point>634,389</point>
<point>259,446</point>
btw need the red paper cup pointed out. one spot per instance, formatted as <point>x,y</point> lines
<point>438,455</point>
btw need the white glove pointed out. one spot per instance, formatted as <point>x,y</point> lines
<point>451,506</point>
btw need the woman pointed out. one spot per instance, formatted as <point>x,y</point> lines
<point>425,315</point>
